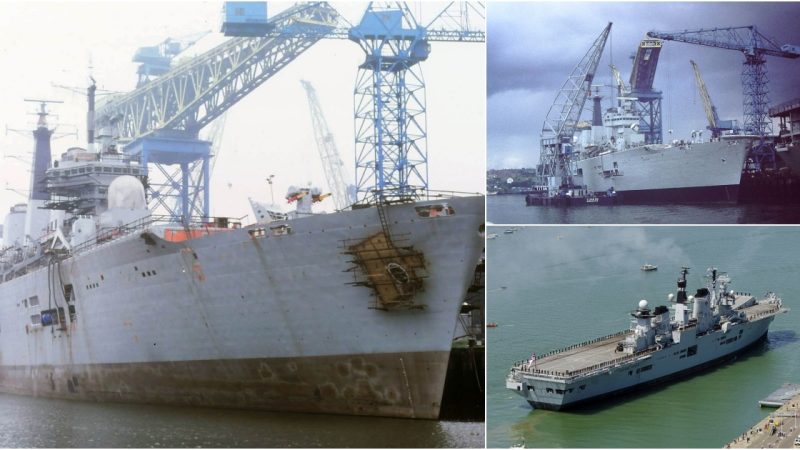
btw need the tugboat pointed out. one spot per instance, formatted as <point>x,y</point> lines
<point>706,328</point>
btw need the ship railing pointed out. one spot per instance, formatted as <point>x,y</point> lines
<point>529,368</point>
<point>407,194</point>
<point>768,312</point>
<point>583,344</point>
<point>147,222</point>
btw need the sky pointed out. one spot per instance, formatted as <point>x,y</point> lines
<point>268,132</point>
<point>532,48</point>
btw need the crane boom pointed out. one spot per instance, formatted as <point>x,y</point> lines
<point>331,162</point>
<point>711,111</point>
<point>191,95</point>
<point>755,46</point>
<point>562,118</point>
<point>747,40</point>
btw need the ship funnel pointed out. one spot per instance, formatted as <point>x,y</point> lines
<point>597,114</point>
<point>90,94</point>
<point>42,155</point>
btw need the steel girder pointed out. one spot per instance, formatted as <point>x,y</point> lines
<point>193,94</point>
<point>559,126</point>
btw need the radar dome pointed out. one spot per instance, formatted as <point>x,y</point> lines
<point>670,297</point>
<point>126,192</point>
<point>642,304</point>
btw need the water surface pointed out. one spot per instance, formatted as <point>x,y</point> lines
<point>549,287</point>
<point>36,422</point>
<point>511,209</point>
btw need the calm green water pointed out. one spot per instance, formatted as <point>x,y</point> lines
<point>33,422</point>
<point>550,287</point>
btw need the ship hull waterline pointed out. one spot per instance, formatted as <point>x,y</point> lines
<point>247,319</point>
<point>666,379</point>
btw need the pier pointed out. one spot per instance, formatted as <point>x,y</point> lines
<point>777,430</point>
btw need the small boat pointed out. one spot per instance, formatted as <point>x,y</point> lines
<point>649,267</point>
<point>510,231</point>
<point>491,236</point>
<point>491,325</point>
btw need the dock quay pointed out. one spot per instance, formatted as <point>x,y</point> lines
<point>781,396</point>
<point>777,430</point>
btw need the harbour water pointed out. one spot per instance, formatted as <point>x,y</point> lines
<point>36,422</point>
<point>511,209</point>
<point>549,287</point>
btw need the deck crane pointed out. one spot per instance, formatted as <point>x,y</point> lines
<point>329,155</point>
<point>556,158</point>
<point>158,123</point>
<point>716,125</point>
<point>755,46</point>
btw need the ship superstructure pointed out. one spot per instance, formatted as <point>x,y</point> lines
<point>613,157</point>
<point>708,327</point>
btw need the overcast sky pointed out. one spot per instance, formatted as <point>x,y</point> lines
<point>268,132</point>
<point>532,47</point>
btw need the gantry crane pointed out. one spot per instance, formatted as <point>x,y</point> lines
<point>755,47</point>
<point>645,98</point>
<point>159,122</point>
<point>156,60</point>
<point>716,125</point>
<point>556,158</point>
<point>329,155</point>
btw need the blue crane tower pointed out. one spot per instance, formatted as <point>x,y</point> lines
<point>755,46</point>
<point>159,122</point>
<point>556,158</point>
<point>390,108</point>
<point>648,99</point>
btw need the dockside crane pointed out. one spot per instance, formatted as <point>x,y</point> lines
<point>756,47</point>
<point>645,98</point>
<point>158,123</point>
<point>556,157</point>
<point>716,125</point>
<point>390,105</point>
<point>328,152</point>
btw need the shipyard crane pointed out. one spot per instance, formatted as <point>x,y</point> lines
<point>156,60</point>
<point>646,100</point>
<point>561,121</point>
<point>159,122</point>
<point>755,46</point>
<point>716,125</point>
<point>390,106</point>
<point>622,90</point>
<point>329,155</point>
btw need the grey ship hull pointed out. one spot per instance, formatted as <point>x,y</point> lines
<point>560,393</point>
<point>703,172</point>
<point>235,320</point>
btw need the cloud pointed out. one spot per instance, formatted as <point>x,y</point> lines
<point>532,48</point>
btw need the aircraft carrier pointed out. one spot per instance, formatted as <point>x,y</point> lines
<point>614,158</point>
<point>706,328</point>
<point>351,312</point>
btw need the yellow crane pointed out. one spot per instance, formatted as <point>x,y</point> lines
<point>716,125</point>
